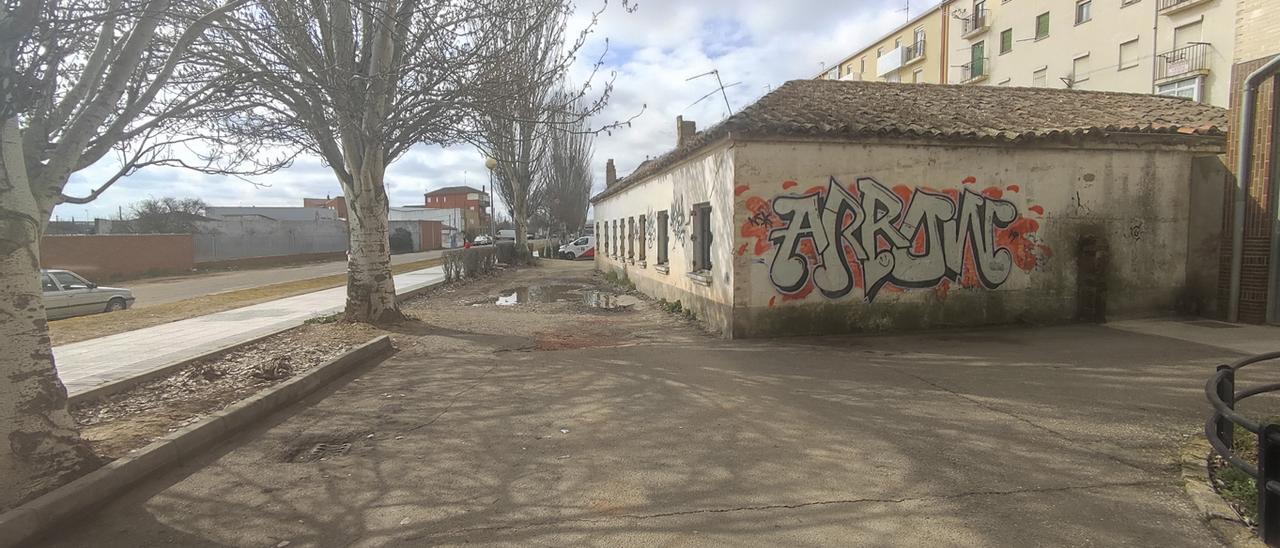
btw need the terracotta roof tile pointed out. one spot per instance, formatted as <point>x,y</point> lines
<point>842,109</point>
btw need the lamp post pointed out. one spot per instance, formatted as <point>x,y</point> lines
<point>491,163</point>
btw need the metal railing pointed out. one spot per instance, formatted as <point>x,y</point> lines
<point>912,52</point>
<point>1184,60</point>
<point>1220,430</point>
<point>973,69</point>
<point>1167,4</point>
<point>974,22</point>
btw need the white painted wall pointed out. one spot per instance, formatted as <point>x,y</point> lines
<point>1136,201</point>
<point>708,178</point>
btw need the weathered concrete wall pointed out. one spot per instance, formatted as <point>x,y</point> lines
<point>118,256</point>
<point>864,237</point>
<point>706,178</point>
<point>1209,174</point>
<point>245,237</point>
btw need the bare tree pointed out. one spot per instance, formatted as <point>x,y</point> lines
<point>568,168</point>
<point>167,215</point>
<point>81,80</point>
<point>359,82</point>
<point>516,128</point>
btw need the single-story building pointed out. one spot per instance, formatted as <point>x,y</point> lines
<point>836,206</point>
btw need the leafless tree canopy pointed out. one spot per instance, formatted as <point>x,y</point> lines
<point>568,168</point>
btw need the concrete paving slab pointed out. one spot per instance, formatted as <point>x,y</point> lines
<point>86,364</point>
<point>1246,339</point>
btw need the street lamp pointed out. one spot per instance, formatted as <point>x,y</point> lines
<point>491,163</point>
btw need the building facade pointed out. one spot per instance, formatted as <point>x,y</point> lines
<point>1181,48</point>
<point>474,203</point>
<point>799,216</point>
<point>914,52</point>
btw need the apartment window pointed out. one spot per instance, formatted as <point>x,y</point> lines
<point>1040,77</point>
<point>662,237</point>
<point>862,65</point>
<point>1129,54</point>
<point>641,237</point>
<point>897,42</point>
<point>702,237</point>
<point>1084,11</point>
<point>917,37</point>
<point>1189,88</point>
<point>617,241</point>
<point>1080,69</point>
<point>1006,41</point>
<point>879,53</point>
<point>916,75</point>
<point>1042,25</point>
<point>603,231</point>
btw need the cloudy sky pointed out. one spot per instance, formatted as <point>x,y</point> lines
<point>760,43</point>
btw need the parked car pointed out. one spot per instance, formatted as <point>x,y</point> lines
<point>67,294</point>
<point>506,234</point>
<point>583,247</point>
<point>482,240</point>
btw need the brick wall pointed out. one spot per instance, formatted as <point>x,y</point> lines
<point>1259,208</point>
<point>118,256</point>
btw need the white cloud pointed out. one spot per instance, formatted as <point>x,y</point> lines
<point>652,51</point>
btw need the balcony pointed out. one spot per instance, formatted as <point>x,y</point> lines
<point>1183,62</point>
<point>975,24</point>
<point>913,53</point>
<point>1170,7</point>
<point>974,71</point>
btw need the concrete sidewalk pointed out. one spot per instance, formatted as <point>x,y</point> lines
<point>88,364</point>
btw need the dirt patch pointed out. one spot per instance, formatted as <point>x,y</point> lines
<point>100,325</point>
<point>132,419</point>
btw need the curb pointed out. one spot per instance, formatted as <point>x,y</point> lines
<point>1220,517</point>
<point>87,492</point>
<point>116,387</point>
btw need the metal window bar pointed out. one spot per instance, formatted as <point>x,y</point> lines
<point>975,21</point>
<point>973,69</point>
<point>1166,4</point>
<point>914,51</point>
<point>1220,431</point>
<point>1184,60</point>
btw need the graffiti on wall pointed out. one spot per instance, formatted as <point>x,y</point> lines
<point>873,238</point>
<point>678,220</point>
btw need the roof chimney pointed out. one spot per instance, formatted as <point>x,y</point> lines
<point>610,173</point>
<point>684,131</point>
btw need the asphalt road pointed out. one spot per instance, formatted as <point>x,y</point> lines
<point>165,290</point>
<point>552,425</point>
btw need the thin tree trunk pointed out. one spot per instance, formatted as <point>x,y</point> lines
<point>42,448</point>
<point>371,291</point>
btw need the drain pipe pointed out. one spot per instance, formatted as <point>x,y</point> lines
<point>1244,157</point>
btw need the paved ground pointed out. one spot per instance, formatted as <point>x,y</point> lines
<point>555,424</point>
<point>164,290</point>
<point>86,364</point>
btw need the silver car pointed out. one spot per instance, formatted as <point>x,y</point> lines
<point>66,294</point>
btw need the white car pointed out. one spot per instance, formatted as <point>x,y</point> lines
<point>584,247</point>
<point>66,294</point>
<point>482,240</point>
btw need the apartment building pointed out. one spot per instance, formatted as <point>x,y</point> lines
<point>914,52</point>
<point>1180,48</point>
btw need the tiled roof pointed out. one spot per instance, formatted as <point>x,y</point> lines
<point>453,190</point>
<point>850,110</point>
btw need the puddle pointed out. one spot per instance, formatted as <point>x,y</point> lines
<point>564,294</point>
<point>540,294</point>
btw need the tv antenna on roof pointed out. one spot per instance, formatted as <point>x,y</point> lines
<point>720,89</point>
<point>906,8</point>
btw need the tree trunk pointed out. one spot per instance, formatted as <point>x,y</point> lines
<point>371,291</point>
<point>42,448</point>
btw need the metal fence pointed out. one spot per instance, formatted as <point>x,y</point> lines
<point>913,51</point>
<point>1220,430</point>
<point>973,69</point>
<point>1183,60</point>
<point>1166,4</point>
<point>974,22</point>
